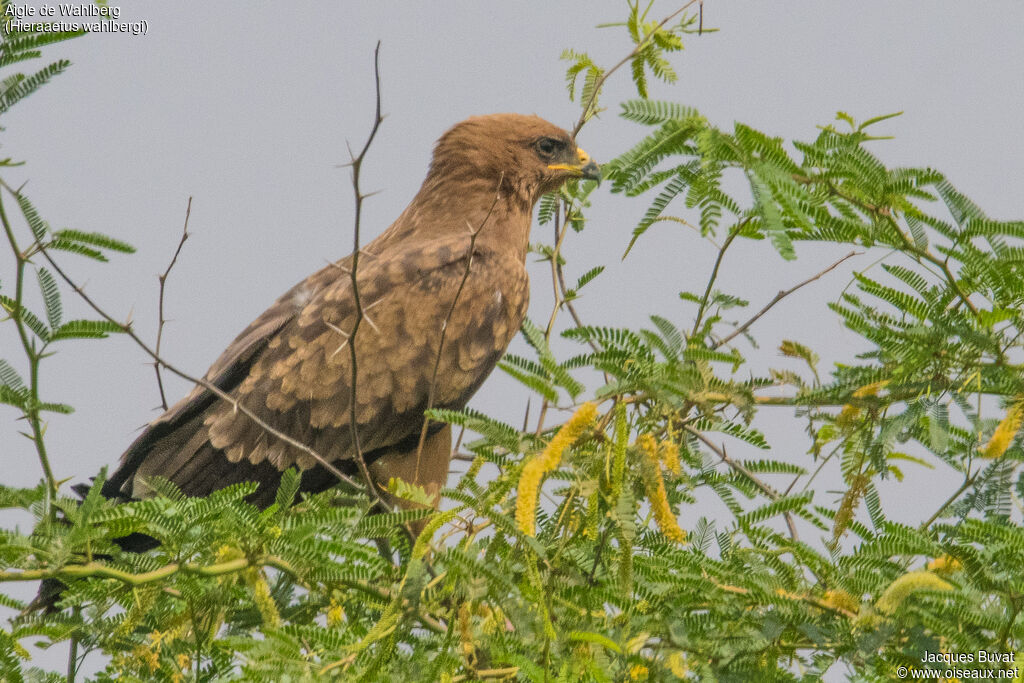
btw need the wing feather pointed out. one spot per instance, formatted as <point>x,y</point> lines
<point>292,367</point>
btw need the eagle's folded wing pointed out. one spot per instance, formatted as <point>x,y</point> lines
<point>293,366</point>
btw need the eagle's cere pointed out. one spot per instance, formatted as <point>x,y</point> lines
<point>549,459</point>
<point>428,272</point>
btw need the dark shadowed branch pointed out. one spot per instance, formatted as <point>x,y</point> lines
<point>160,305</point>
<point>356,164</point>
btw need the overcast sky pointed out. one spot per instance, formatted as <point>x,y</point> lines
<point>246,107</point>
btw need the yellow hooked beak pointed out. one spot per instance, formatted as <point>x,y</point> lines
<point>586,168</point>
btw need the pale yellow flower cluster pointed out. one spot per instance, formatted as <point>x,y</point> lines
<point>655,487</point>
<point>1006,431</point>
<point>911,582</point>
<point>534,471</point>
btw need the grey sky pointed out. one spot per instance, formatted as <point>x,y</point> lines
<point>246,107</point>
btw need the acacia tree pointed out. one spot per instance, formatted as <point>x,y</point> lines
<point>602,581</point>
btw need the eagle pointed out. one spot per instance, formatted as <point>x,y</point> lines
<point>441,292</point>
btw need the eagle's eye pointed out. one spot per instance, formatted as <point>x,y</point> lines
<point>547,147</point>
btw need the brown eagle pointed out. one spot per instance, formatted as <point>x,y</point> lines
<point>451,269</point>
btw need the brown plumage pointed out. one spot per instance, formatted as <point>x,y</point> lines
<point>292,365</point>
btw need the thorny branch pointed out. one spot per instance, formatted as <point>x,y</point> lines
<point>160,306</point>
<point>764,488</point>
<point>356,165</point>
<point>776,299</point>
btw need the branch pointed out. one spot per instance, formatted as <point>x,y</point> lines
<point>160,306</point>
<point>886,214</point>
<point>765,488</point>
<point>779,297</point>
<point>31,411</point>
<point>356,165</point>
<point>714,275</point>
<point>968,481</point>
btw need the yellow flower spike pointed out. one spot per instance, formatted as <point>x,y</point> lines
<point>261,597</point>
<point>466,631</point>
<point>1006,431</point>
<point>850,412</point>
<point>655,487</point>
<point>911,582</point>
<point>840,599</point>
<point>670,456</point>
<point>226,553</point>
<point>638,672</point>
<point>677,664</point>
<point>534,470</point>
<point>335,614</point>
<point>871,389</point>
<point>944,565</point>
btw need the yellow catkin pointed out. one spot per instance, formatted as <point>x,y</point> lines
<point>1006,431</point>
<point>534,471</point>
<point>871,389</point>
<point>677,664</point>
<point>900,589</point>
<point>261,597</point>
<point>638,672</point>
<point>335,614</point>
<point>670,456</point>
<point>466,631</point>
<point>840,599</point>
<point>850,412</point>
<point>655,487</point>
<point>944,565</point>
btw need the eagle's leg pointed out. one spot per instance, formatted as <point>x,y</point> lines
<point>428,469</point>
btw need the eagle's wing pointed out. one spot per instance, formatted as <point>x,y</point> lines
<point>292,367</point>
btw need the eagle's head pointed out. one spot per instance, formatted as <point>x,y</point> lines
<point>525,154</point>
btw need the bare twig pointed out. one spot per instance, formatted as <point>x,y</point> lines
<point>356,165</point>
<point>778,297</point>
<point>561,229</point>
<point>126,328</point>
<point>968,481</point>
<point>160,306</point>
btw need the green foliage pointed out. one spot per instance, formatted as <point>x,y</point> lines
<point>787,582</point>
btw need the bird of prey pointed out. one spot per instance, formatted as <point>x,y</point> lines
<point>443,291</point>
